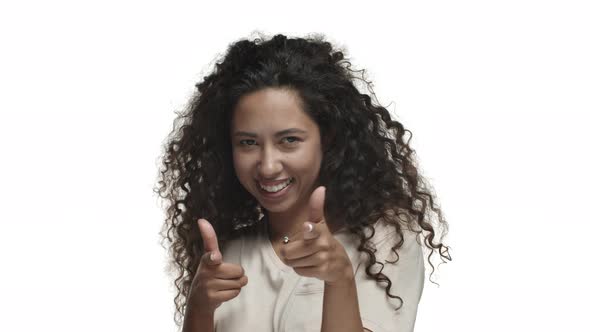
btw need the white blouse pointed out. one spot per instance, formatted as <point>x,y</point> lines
<point>278,299</point>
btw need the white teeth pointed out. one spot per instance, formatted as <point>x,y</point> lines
<point>276,188</point>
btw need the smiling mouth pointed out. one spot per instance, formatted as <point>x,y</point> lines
<point>277,188</point>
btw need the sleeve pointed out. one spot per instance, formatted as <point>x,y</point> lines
<point>377,309</point>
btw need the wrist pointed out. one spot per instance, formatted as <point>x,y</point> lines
<point>200,313</point>
<point>346,279</point>
<point>198,320</point>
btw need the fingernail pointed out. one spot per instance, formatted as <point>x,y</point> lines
<point>309,228</point>
<point>214,256</point>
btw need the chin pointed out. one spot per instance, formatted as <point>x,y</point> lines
<point>276,208</point>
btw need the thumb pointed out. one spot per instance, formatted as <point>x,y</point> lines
<point>316,205</point>
<point>209,240</point>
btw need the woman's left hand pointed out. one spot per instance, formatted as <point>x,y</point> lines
<point>318,254</point>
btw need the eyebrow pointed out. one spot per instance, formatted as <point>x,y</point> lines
<point>279,133</point>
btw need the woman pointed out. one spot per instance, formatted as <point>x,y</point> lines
<point>294,203</point>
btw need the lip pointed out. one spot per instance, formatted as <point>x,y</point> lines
<point>272,183</point>
<point>277,195</point>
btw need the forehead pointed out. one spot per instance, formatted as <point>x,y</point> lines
<point>270,108</point>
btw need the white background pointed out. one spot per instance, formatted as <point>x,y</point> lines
<point>496,94</point>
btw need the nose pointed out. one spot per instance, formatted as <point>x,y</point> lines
<point>270,164</point>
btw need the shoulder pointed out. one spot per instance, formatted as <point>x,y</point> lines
<point>382,237</point>
<point>390,229</point>
<point>399,255</point>
<point>400,236</point>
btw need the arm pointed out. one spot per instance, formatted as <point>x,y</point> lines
<point>341,307</point>
<point>196,322</point>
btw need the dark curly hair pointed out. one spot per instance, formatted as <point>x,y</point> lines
<point>368,170</point>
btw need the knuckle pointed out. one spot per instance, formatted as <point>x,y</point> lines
<point>235,293</point>
<point>200,285</point>
<point>204,257</point>
<point>203,284</point>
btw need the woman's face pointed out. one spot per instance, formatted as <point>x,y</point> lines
<point>275,143</point>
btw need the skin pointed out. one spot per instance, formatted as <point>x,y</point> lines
<point>266,156</point>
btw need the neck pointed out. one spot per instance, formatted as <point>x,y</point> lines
<point>283,224</point>
<point>286,223</point>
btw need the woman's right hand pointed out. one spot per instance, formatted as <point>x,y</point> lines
<point>215,282</point>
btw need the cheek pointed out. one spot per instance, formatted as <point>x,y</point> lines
<point>308,162</point>
<point>239,165</point>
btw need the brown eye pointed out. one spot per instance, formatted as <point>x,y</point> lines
<point>292,139</point>
<point>246,140</point>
